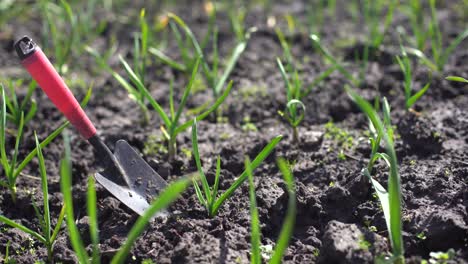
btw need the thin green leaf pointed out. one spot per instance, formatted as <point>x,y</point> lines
<point>453,45</point>
<point>185,96</point>
<point>456,79</point>
<point>382,194</point>
<point>166,197</point>
<point>214,193</point>
<point>412,100</point>
<point>43,144</point>
<point>58,225</point>
<point>45,190</point>
<point>13,224</point>
<point>91,203</point>
<point>196,155</point>
<point>203,115</point>
<point>145,92</point>
<point>166,60</point>
<point>238,50</point>
<point>394,187</point>
<point>255,257</point>
<point>288,225</point>
<point>327,54</point>
<point>255,163</point>
<point>66,187</point>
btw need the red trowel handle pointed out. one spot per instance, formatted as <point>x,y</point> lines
<point>40,68</point>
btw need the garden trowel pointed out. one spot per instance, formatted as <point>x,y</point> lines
<point>126,175</point>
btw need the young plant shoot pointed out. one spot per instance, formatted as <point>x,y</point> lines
<point>165,198</point>
<point>405,66</point>
<point>456,79</point>
<point>208,195</point>
<point>318,45</point>
<point>12,167</point>
<point>439,53</point>
<point>391,199</point>
<point>171,127</point>
<point>295,109</point>
<point>27,107</point>
<point>288,225</point>
<point>191,51</point>
<point>48,234</point>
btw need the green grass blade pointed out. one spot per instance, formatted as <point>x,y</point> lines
<point>203,115</point>
<point>13,224</point>
<point>145,92</point>
<point>214,193</point>
<point>45,191</point>
<point>255,257</point>
<point>196,155</point>
<point>5,163</point>
<point>19,135</point>
<point>394,187</point>
<point>456,79</point>
<point>238,50</point>
<point>388,20</point>
<point>382,194</point>
<point>171,99</point>
<point>166,197</point>
<point>132,91</point>
<point>31,112</point>
<point>192,38</point>
<point>327,54</point>
<point>59,224</point>
<point>199,193</point>
<point>255,163</point>
<point>424,59</point>
<point>287,83</point>
<point>43,144</point>
<point>167,60</point>
<point>288,225</point>
<point>185,96</point>
<point>412,100</point>
<point>91,203</point>
<point>453,45</point>
<point>66,187</point>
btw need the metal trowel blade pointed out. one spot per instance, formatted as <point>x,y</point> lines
<point>141,177</point>
<point>129,197</point>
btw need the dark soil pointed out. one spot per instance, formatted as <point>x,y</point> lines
<point>339,219</point>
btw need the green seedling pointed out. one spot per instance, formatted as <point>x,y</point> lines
<point>373,20</point>
<point>140,47</point>
<point>288,225</point>
<point>339,66</point>
<point>390,200</point>
<point>171,127</point>
<point>57,18</point>
<point>191,51</point>
<point>12,167</point>
<point>295,109</point>
<point>48,234</point>
<point>440,54</point>
<point>237,21</point>
<point>456,79</point>
<point>405,66</point>
<point>208,196</point>
<point>165,198</point>
<point>16,109</point>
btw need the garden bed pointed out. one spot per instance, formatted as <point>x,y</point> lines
<point>339,218</point>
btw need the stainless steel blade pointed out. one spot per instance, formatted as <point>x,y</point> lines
<point>142,178</point>
<point>127,196</point>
